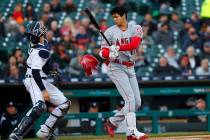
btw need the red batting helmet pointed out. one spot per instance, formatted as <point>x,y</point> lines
<point>89,63</point>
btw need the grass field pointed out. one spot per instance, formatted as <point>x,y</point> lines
<point>164,136</point>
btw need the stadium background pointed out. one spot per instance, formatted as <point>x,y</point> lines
<point>172,64</point>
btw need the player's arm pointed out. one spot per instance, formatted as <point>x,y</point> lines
<point>135,40</point>
<point>37,64</point>
<point>105,48</point>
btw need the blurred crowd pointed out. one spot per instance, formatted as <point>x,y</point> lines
<point>184,42</point>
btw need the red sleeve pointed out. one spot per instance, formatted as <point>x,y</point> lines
<point>135,42</point>
<point>104,53</point>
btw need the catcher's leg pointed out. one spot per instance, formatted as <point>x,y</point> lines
<point>28,121</point>
<point>47,129</point>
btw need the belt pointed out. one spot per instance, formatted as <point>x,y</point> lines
<point>126,63</point>
<point>30,76</point>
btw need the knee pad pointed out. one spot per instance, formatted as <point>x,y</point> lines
<point>61,109</point>
<point>39,108</point>
<point>64,107</point>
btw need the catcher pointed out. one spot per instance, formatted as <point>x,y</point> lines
<point>38,67</point>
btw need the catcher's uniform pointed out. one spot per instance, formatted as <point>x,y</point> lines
<point>38,67</point>
<point>39,59</point>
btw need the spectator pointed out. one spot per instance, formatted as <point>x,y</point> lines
<point>9,120</point>
<point>47,9</point>
<point>20,60</point>
<point>192,40</point>
<point>55,6</point>
<point>194,60</point>
<point>12,61</point>
<point>164,69</point>
<point>82,38</point>
<point>206,34</point>
<point>20,36</point>
<point>152,26</point>
<point>196,20</point>
<point>61,56</point>
<point>51,39</point>
<point>163,18</point>
<point>163,36</point>
<point>200,105</point>
<point>30,14</point>
<point>141,61</point>
<point>147,40</point>
<point>69,6</point>
<point>18,14</point>
<point>45,19</point>
<point>184,66</point>
<point>89,125</point>
<point>68,41</point>
<point>184,32</point>
<point>14,75</point>
<point>206,50</point>
<point>11,25</point>
<point>54,28</point>
<point>172,58</point>
<point>103,25</point>
<point>75,69</point>
<point>176,24</point>
<point>68,27</point>
<point>203,70</point>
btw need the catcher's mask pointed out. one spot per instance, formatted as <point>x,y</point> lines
<point>89,63</point>
<point>34,31</point>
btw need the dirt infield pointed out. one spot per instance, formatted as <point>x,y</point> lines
<point>194,137</point>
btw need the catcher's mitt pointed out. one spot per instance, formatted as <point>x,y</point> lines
<point>55,74</point>
<point>89,63</point>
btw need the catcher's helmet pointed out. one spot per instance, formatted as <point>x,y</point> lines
<point>89,63</point>
<point>35,30</point>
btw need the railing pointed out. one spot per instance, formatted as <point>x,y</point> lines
<point>155,115</point>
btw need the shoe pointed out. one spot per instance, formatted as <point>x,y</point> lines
<point>110,128</point>
<point>14,137</point>
<point>133,137</point>
<point>42,134</point>
<point>46,135</point>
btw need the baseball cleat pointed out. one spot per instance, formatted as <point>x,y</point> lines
<point>110,128</point>
<point>45,135</point>
<point>42,134</point>
<point>133,137</point>
<point>14,137</point>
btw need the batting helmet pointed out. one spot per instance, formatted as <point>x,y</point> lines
<point>35,30</point>
<point>89,63</point>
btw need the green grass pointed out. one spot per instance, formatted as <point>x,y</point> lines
<point>122,137</point>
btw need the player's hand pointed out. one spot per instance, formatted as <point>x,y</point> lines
<point>113,55</point>
<point>45,95</point>
<point>114,48</point>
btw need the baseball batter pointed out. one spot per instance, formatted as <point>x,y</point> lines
<point>125,39</point>
<point>38,67</point>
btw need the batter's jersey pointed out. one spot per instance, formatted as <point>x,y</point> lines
<point>118,37</point>
<point>38,59</point>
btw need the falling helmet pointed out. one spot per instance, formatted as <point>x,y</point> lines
<point>34,31</point>
<point>89,63</point>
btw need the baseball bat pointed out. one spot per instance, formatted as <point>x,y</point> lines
<point>92,19</point>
